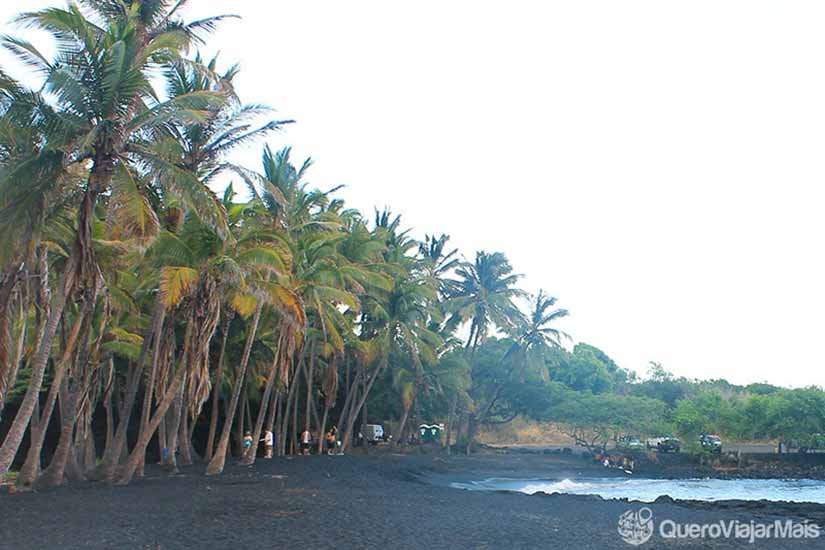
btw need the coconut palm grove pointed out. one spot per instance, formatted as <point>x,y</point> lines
<point>160,303</point>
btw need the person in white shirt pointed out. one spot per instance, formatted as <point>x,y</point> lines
<point>269,442</point>
<point>306,440</point>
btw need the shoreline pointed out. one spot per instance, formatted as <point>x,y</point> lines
<point>353,501</point>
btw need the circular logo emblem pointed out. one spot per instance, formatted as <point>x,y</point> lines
<point>636,526</point>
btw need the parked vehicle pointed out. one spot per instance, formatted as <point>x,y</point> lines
<point>630,442</point>
<point>664,444</point>
<point>373,433</point>
<point>670,445</point>
<point>712,443</point>
<point>652,443</point>
<point>811,444</point>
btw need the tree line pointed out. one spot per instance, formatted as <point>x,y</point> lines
<point>142,314</point>
<point>594,401</point>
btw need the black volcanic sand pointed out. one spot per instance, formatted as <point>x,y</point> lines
<point>387,501</point>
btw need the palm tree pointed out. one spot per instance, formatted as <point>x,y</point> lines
<point>484,294</point>
<point>437,262</point>
<point>103,96</point>
<point>396,323</point>
<point>198,147</point>
<point>537,336</point>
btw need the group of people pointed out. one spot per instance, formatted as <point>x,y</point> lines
<point>331,442</point>
<point>625,463</point>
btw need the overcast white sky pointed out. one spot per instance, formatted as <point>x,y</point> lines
<point>656,165</point>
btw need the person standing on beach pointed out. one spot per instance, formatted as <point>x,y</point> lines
<point>247,444</point>
<point>306,440</point>
<point>269,442</point>
<point>331,440</point>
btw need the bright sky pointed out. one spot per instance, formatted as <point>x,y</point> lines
<point>657,165</point>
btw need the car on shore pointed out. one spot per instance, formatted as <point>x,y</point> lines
<point>629,442</point>
<point>711,443</point>
<point>811,444</point>
<point>373,433</point>
<point>663,444</point>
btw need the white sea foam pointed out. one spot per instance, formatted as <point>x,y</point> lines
<point>563,486</point>
<point>647,490</point>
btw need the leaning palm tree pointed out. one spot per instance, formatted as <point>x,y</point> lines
<point>485,295</point>
<point>200,145</point>
<point>438,262</point>
<point>538,335</point>
<point>103,100</point>
<point>395,322</point>
<point>202,267</point>
<point>527,354</point>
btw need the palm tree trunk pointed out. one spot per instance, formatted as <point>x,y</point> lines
<point>403,423</point>
<point>11,276</point>
<point>348,401</point>
<point>86,447</point>
<point>472,428</point>
<point>250,456</point>
<point>149,389</point>
<point>112,454</point>
<point>284,435</point>
<point>360,404</point>
<point>247,413</point>
<point>53,475</point>
<point>239,421</point>
<point>273,410</point>
<point>47,332</point>
<point>81,264</point>
<point>173,425</point>
<point>9,375</point>
<point>37,434</point>
<point>216,386</point>
<point>185,440</point>
<point>219,459</point>
<point>322,430</point>
<point>450,422</point>
<point>72,396</point>
<point>107,404</point>
<point>162,445</point>
<point>276,427</point>
<point>309,373</point>
<point>293,440</point>
<point>134,458</point>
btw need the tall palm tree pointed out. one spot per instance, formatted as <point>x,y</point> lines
<point>485,295</point>
<point>537,336</point>
<point>396,323</point>
<point>438,262</point>
<point>101,82</point>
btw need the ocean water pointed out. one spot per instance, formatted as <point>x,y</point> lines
<point>647,490</point>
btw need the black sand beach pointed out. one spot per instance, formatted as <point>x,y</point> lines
<point>386,501</point>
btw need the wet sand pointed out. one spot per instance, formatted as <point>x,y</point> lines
<point>378,501</point>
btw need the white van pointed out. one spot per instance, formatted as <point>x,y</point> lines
<point>373,433</point>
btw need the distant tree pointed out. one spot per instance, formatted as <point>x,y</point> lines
<point>587,369</point>
<point>596,419</point>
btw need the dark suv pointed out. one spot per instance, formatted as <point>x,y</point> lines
<point>712,443</point>
<point>669,445</point>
